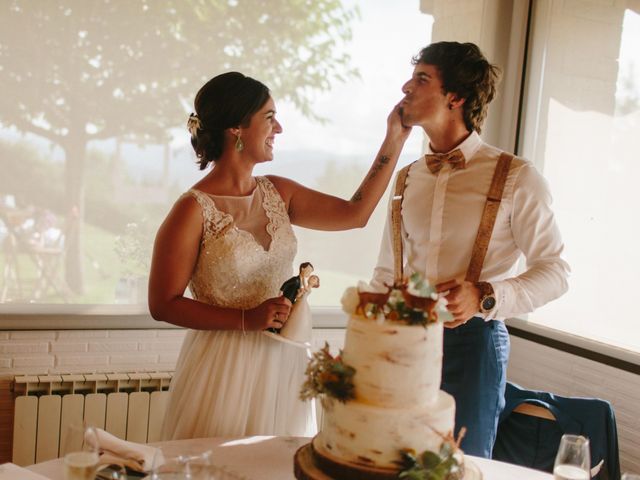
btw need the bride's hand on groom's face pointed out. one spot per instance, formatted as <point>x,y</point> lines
<point>272,313</point>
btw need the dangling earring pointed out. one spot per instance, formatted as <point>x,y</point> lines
<point>239,143</point>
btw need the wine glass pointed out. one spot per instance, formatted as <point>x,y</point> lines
<point>180,463</point>
<point>573,461</point>
<point>80,451</point>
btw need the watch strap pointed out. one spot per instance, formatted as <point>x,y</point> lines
<point>486,291</point>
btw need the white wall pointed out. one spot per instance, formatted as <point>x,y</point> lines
<point>71,351</point>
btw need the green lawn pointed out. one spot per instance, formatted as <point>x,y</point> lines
<point>102,269</point>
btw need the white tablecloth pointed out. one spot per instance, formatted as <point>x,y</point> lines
<point>261,457</point>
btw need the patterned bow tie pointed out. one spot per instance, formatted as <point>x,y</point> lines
<point>435,161</point>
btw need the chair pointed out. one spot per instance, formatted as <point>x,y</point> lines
<point>533,422</point>
<point>46,270</point>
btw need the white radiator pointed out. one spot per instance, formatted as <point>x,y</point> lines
<point>128,405</point>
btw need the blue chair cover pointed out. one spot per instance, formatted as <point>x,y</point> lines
<point>533,442</point>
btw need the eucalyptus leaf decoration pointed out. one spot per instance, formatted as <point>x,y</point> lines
<point>431,465</point>
<point>328,375</point>
<point>422,287</point>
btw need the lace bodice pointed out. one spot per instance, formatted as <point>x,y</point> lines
<point>233,269</point>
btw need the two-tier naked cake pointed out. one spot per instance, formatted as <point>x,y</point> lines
<point>384,411</point>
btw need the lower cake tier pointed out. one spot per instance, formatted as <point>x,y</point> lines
<point>374,436</point>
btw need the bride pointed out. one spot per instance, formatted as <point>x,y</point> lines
<point>229,239</point>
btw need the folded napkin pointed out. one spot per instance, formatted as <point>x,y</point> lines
<point>136,456</point>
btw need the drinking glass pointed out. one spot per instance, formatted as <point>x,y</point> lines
<point>179,463</point>
<point>81,452</point>
<point>573,461</point>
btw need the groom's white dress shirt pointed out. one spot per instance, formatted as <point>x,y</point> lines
<point>440,217</point>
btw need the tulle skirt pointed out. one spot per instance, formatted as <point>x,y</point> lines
<point>228,384</point>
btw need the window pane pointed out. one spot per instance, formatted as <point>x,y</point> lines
<point>581,129</point>
<point>93,147</point>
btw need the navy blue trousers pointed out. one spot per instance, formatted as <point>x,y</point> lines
<point>474,371</point>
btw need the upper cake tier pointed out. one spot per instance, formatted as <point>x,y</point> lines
<point>397,365</point>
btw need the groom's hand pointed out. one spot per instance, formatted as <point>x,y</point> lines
<point>463,301</point>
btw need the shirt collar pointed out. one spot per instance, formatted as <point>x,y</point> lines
<point>469,146</point>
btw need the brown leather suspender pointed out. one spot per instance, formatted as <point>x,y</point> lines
<point>489,215</point>
<point>396,224</point>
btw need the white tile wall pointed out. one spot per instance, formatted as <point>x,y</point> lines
<point>72,351</point>
<point>9,347</point>
<point>38,363</point>
<point>84,361</point>
<point>39,352</point>
<point>82,334</point>
<point>69,347</point>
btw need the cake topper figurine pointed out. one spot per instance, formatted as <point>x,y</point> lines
<point>294,288</point>
<point>296,285</point>
<point>299,324</point>
<point>297,328</point>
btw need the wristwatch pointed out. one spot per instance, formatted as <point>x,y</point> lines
<point>487,297</point>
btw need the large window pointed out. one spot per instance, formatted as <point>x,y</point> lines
<point>581,128</point>
<point>93,148</point>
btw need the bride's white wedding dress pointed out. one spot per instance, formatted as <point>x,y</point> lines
<point>228,383</point>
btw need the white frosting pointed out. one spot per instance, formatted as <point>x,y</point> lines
<point>396,365</point>
<point>373,436</point>
<point>398,404</point>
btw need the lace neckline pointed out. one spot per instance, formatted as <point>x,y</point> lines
<point>232,197</point>
<point>271,203</point>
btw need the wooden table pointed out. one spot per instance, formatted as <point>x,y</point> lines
<point>264,457</point>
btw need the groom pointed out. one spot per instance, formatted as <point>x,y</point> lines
<point>442,198</point>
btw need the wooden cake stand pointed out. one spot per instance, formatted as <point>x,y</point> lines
<point>311,464</point>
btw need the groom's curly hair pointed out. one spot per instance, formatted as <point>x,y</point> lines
<point>465,72</point>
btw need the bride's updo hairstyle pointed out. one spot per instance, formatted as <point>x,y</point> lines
<point>227,100</point>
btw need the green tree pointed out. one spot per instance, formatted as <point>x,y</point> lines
<point>73,71</point>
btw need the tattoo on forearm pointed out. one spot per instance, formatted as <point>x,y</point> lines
<point>382,161</point>
<point>379,165</point>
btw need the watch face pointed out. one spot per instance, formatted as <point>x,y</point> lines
<point>488,303</point>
